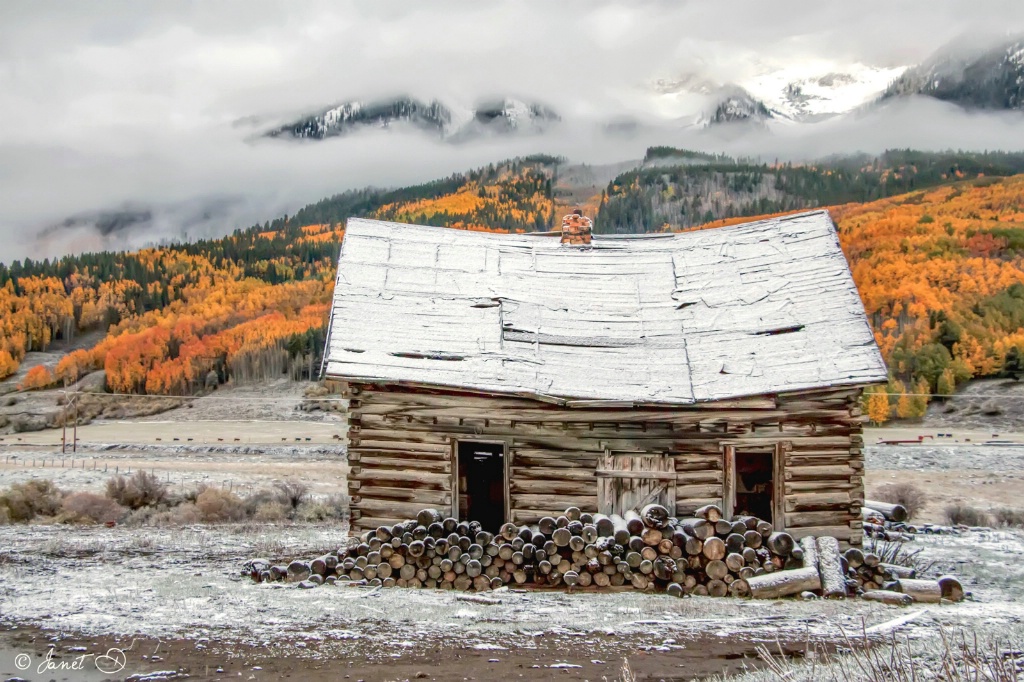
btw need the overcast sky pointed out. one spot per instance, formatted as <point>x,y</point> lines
<point>112,104</point>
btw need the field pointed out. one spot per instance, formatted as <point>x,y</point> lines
<point>172,599</point>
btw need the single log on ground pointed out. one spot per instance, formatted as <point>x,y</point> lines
<point>780,543</point>
<point>298,571</point>
<point>887,597</point>
<point>784,583</point>
<point>873,515</point>
<point>892,512</point>
<point>923,591</point>
<point>655,516</point>
<point>709,512</point>
<point>809,546</point>
<point>898,572</point>
<point>833,581</point>
<point>951,588</point>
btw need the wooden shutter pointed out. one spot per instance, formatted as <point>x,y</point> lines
<point>630,481</point>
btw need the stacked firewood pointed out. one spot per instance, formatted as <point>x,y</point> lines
<point>649,550</point>
<point>866,571</point>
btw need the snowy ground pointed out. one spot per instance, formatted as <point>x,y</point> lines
<point>181,586</point>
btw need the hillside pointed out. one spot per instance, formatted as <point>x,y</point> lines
<point>940,270</point>
<point>248,307</point>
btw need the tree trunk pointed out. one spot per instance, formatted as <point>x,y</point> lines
<point>784,583</point>
<point>833,582</point>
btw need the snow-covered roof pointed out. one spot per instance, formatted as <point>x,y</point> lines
<point>760,308</point>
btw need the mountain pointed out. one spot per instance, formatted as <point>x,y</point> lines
<point>444,120</point>
<point>819,91</point>
<point>736,105</point>
<point>985,78</point>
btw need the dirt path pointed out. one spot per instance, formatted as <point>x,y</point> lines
<point>448,660</point>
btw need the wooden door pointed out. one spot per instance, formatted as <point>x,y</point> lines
<point>630,481</point>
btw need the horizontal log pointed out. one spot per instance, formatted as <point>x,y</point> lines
<point>837,532</point>
<point>817,473</point>
<point>699,477</point>
<point>554,487</point>
<point>400,443</point>
<point>586,503</point>
<point>553,473</point>
<point>376,461</point>
<point>430,498</point>
<point>689,492</point>
<point>817,501</point>
<point>820,518</point>
<point>402,510</point>
<point>397,478</point>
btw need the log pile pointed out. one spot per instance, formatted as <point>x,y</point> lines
<point>889,522</point>
<point>705,555</point>
<point>650,550</point>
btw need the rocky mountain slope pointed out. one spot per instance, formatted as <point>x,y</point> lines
<point>445,120</point>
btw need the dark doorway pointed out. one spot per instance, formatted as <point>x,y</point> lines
<point>755,485</point>
<point>482,483</point>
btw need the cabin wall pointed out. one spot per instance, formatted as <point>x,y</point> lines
<point>402,454</point>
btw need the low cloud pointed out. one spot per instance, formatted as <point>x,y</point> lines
<point>152,108</point>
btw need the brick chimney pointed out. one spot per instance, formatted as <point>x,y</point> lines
<point>576,229</point>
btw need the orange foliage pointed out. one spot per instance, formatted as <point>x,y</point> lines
<point>37,377</point>
<point>925,257</point>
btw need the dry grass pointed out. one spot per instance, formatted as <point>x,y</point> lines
<point>141,489</point>
<point>909,495</point>
<point>90,508</point>
<point>962,514</point>
<point>959,656</point>
<point>26,501</point>
<point>1013,518</point>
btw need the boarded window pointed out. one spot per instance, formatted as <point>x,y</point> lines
<point>630,481</point>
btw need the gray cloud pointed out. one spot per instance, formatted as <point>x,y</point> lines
<point>152,104</point>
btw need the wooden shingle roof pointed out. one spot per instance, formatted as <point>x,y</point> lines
<point>759,308</point>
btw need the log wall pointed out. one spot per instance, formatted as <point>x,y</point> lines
<point>402,451</point>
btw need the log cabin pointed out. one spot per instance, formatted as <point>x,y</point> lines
<point>506,377</point>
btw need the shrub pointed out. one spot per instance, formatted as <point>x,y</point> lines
<point>961,514</point>
<point>218,505</point>
<point>90,508</point>
<point>293,493</point>
<point>906,494</point>
<point>141,489</point>
<point>37,377</point>
<point>25,501</point>
<point>270,511</point>
<point>333,508</point>
<point>1009,517</point>
<point>184,514</point>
